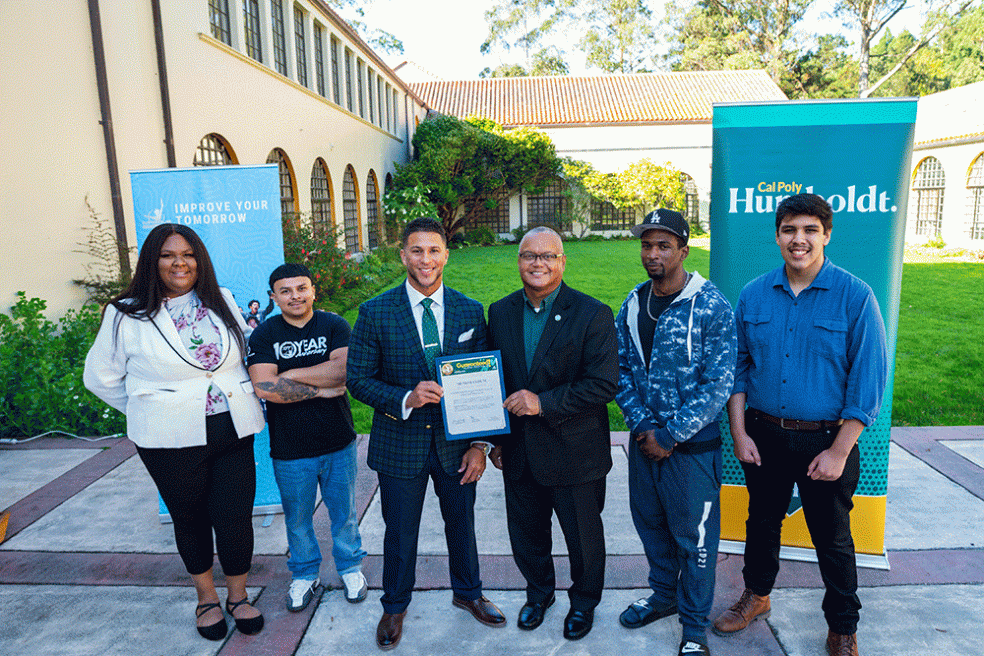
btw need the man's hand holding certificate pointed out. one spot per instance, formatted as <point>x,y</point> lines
<point>473,395</point>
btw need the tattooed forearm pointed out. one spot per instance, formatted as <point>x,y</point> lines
<point>288,391</point>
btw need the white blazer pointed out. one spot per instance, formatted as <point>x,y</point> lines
<point>150,376</point>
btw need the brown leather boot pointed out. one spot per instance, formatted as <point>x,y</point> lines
<point>842,645</point>
<point>746,609</point>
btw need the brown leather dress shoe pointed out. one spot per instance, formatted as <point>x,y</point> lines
<point>842,645</point>
<point>390,630</point>
<point>746,609</point>
<point>482,609</point>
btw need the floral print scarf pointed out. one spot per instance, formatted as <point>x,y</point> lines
<point>202,338</point>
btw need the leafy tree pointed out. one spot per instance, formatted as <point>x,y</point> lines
<point>619,37</point>
<point>643,185</point>
<point>826,72</point>
<point>734,34</point>
<point>354,11</point>
<point>464,166</point>
<point>615,36</point>
<point>522,24</point>
<point>923,73</point>
<point>869,17</point>
<point>548,61</point>
<point>962,48</point>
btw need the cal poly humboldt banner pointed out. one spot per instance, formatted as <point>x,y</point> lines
<point>236,212</point>
<point>856,154</point>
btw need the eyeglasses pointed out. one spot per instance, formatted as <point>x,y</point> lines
<point>547,258</point>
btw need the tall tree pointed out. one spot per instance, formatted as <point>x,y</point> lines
<point>869,18</point>
<point>824,72</point>
<point>619,36</point>
<point>962,48</point>
<point>463,166</point>
<point>353,11</point>
<point>547,61</point>
<point>522,24</point>
<point>616,36</point>
<point>736,33</point>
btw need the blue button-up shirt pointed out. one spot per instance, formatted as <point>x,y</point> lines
<point>817,356</point>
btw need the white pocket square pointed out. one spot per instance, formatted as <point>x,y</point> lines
<point>464,337</point>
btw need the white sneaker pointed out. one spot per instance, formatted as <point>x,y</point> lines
<point>300,593</point>
<point>356,587</point>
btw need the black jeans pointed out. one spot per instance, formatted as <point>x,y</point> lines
<point>786,455</point>
<point>205,488</point>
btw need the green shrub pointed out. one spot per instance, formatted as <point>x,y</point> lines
<point>935,242</point>
<point>482,236</point>
<point>341,280</point>
<point>41,367</point>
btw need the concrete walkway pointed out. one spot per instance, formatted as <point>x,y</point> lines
<point>87,568</point>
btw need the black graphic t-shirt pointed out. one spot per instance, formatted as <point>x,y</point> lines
<point>313,427</point>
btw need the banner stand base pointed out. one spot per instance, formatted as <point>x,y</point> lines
<point>870,561</point>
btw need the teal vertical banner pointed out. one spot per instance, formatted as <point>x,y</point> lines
<point>236,212</point>
<point>857,155</point>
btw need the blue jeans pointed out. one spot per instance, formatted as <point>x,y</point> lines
<point>298,481</point>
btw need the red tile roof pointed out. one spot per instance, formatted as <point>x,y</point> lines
<point>635,98</point>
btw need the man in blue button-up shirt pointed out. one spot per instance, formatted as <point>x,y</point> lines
<point>812,368</point>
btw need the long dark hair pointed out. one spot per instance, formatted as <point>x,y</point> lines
<point>144,296</point>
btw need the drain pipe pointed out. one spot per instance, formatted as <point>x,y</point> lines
<point>102,84</point>
<point>172,161</point>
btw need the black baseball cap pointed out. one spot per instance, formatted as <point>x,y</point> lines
<point>664,219</point>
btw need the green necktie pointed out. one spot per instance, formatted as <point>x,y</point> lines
<point>432,342</point>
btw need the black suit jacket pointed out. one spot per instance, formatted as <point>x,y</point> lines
<point>575,375</point>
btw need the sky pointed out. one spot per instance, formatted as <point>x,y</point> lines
<point>445,36</point>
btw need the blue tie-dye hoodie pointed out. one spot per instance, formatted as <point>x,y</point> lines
<point>692,369</point>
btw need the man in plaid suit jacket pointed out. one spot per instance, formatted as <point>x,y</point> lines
<point>388,370</point>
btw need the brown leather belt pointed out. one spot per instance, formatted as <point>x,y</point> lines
<point>798,424</point>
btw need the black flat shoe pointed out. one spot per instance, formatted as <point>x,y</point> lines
<point>215,631</point>
<point>578,623</point>
<point>531,614</point>
<point>246,626</point>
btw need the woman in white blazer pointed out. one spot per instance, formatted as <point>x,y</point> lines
<point>169,355</point>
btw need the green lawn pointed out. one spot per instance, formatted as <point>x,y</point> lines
<point>939,376</point>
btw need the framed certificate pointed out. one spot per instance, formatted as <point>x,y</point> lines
<point>474,391</point>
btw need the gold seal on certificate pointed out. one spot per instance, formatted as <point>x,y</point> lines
<point>474,391</point>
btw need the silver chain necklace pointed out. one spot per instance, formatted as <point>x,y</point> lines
<point>649,297</point>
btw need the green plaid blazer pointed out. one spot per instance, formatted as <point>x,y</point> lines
<point>386,360</point>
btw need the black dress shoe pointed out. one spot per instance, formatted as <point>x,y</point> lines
<point>578,624</point>
<point>531,614</point>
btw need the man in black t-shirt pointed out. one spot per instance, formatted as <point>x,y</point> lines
<point>296,361</point>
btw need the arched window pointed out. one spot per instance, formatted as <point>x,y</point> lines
<point>214,150</point>
<point>550,208</point>
<point>392,229</point>
<point>691,205</point>
<point>350,210</point>
<point>373,215</point>
<point>218,15</point>
<point>322,220</point>
<point>975,198</point>
<point>927,186</point>
<point>288,191</point>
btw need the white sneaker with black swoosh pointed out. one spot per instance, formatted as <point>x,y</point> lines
<point>688,647</point>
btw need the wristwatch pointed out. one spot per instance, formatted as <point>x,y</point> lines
<point>484,446</point>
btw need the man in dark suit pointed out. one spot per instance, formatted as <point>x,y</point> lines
<point>560,362</point>
<point>391,368</point>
